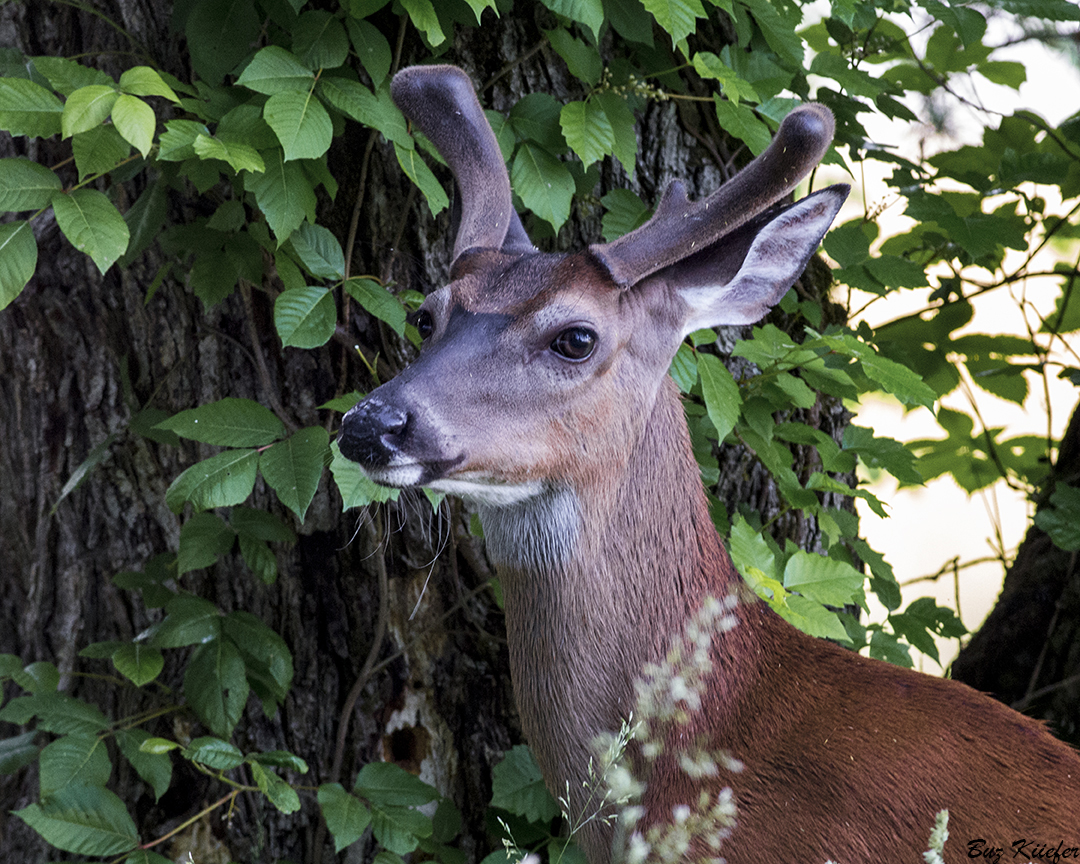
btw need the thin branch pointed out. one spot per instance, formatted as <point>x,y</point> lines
<point>366,671</point>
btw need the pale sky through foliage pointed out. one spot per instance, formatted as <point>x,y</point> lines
<point>931,525</point>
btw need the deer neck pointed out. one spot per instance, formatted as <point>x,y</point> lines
<point>596,582</point>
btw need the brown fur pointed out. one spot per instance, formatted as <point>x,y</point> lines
<point>845,758</point>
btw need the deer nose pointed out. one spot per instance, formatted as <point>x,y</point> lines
<point>372,432</point>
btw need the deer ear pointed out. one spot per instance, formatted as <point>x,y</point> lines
<point>740,277</point>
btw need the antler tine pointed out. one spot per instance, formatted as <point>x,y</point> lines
<point>679,227</point>
<point>441,101</point>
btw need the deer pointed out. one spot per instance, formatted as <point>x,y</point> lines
<point>541,397</point>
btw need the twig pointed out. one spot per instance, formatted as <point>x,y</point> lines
<point>361,680</point>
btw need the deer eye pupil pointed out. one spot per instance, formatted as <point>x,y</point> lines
<point>574,343</point>
<point>424,323</point>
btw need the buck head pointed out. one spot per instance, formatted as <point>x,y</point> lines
<point>538,371</point>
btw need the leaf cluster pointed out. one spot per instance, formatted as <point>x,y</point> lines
<point>247,139</point>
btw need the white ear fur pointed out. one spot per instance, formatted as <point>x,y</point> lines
<point>776,258</point>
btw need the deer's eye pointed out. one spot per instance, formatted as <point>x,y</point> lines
<point>574,343</point>
<point>423,323</point>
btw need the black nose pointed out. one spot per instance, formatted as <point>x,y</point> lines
<point>372,432</point>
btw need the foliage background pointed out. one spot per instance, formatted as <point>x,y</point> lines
<point>182,307</point>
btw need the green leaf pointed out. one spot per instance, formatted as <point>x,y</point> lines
<point>144,81</point>
<point>145,219</point>
<point>214,753</point>
<point>220,35</point>
<point>139,663</point>
<point>1007,73</point>
<point>535,117</point>
<point>417,171</point>
<point>240,157</point>
<point>587,12</point>
<point>152,765</point>
<point>355,487</point>
<point>849,244</point>
<point>283,192</point>
<point>38,677</point>
<point>305,317</point>
<point>709,65</point>
<point>135,121</point>
<point>18,259</point>
<point>625,212</point>
<point>372,48</point>
<point>1061,519</point>
<point>621,118</point>
<point>424,18</point>
<point>779,32</point>
<point>319,251</point>
<point>587,130</point>
<point>813,618</point>
<point>378,111</point>
<point>544,184</point>
<point>721,393</point>
<point>740,121</point>
<point>215,685</point>
<point>294,467</point>
<point>86,108</point>
<point>189,620</point>
<point>346,815</point>
<point>922,620</point>
<point>99,150</point>
<point>73,760</point>
<point>399,829</point>
<point>884,453</point>
<point>300,122</point>
<point>274,70</point>
<point>279,759</point>
<point>517,786</point>
<point>267,658</point>
<point>219,481</point>
<point>92,225</point>
<point>676,17</point>
<point>750,551</point>
<point>25,185</point>
<point>319,40</point>
<point>966,22</point>
<point>385,783</point>
<point>203,539</point>
<point>377,301</point>
<point>280,793</point>
<point>56,712</point>
<point>229,422</point>
<point>84,820</point>
<point>581,59</point>
<point>66,76</point>
<point>177,141</point>
<point>29,109</point>
<point>261,525</point>
<point>833,583</point>
<point>17,752</point>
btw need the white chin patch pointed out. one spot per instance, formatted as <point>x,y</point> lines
<point>401,476</point>
<point>488,494</point>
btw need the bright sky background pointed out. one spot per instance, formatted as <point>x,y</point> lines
<point>931,525</point>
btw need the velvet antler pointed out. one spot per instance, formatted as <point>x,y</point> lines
<point>441,101</point>
<point>680,228</point>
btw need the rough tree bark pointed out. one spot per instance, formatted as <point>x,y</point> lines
<point>79,354</point>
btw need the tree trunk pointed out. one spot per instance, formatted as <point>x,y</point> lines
<point>1027,652</point>
<point>80,354</point>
